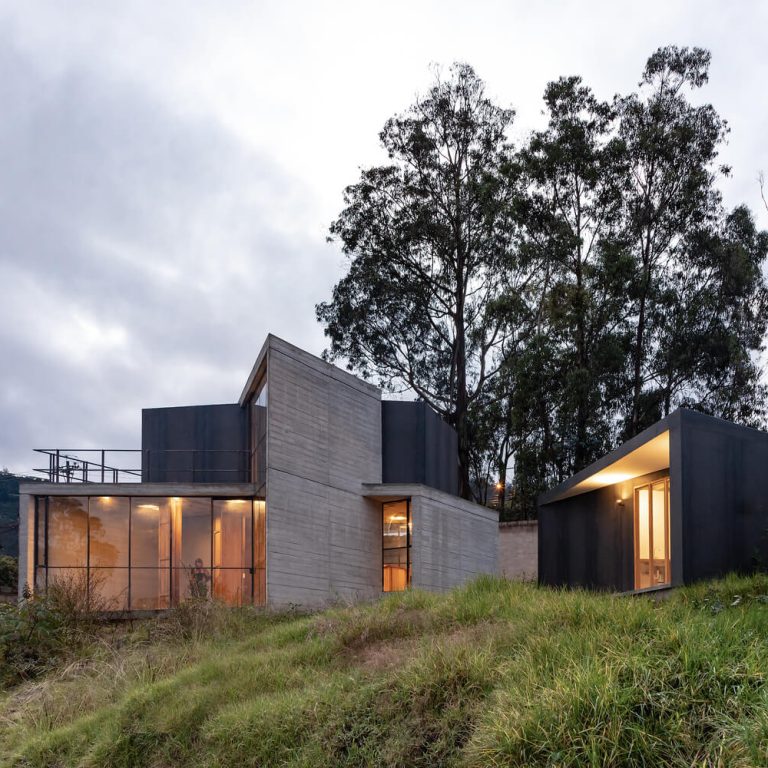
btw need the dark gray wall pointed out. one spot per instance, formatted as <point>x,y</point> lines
<point>197,443</point>
<point>724,470</point>
<point>588,540</point>
<point>418,446</point>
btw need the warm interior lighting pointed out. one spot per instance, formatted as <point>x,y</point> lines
<point>106,498</point>
<point>398,518</point>
<point>236,501</point>
<point>651,456</point>
<point>148,506</point>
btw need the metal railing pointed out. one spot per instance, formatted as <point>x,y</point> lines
<point>134,465</point>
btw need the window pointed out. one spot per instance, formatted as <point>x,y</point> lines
<point>150,553</point>
<point>143,553</point>
<point>233,551</point>
<point>259,436</point>
<point>396,545</point>
<point>652,552</point>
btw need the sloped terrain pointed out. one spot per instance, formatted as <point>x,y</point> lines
<point>497,673</point>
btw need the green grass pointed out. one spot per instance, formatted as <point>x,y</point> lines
<point>494,674</point>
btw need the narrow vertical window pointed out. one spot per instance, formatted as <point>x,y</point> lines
<point>259,552</point>
<point>259,436</point>
<point>652,553</point>
<point>396,545</point>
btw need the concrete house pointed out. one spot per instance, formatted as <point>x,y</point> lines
<point>687,499</point>
<point>307,490</point>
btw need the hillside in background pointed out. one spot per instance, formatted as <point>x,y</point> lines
<point>494,674</point>
<point>9,511</point>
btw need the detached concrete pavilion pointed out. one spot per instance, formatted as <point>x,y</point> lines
<point>687,499</point>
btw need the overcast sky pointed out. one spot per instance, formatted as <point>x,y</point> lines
<point>169,171</point>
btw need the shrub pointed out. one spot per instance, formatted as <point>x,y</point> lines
<point>9,571</point>
<point>41,629</point>
<point>32,635</point>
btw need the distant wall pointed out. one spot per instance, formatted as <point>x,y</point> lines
<point>453,540</point>
<point>196,443</point>
<point>418,446</point>
<point>519,549</point>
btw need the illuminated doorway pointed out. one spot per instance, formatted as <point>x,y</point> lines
<point>652,558</point>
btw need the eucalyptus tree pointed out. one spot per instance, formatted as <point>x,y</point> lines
<point>576,171</point>
<point>711,324</point>
<point>436,294</point>
<point>672,147</point>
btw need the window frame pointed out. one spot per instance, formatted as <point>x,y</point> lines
<point>408,542</point>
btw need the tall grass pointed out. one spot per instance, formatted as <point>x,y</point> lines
<point>496,673</point>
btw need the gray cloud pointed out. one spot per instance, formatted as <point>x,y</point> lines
<point>168,171</point>
<point>138,256</point>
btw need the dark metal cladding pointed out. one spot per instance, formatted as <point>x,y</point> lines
<point>197,443</point>
<point>588,540</point>
<point>724,498</point>
<point>718,511</point>
<point>418,446</point>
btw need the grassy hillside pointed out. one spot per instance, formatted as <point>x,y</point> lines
<point>494,674</point>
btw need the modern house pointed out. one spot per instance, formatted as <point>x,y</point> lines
<point>307,490</point>
<point>687,499</point>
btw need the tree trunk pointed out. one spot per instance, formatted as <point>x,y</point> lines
<point>634,422</point>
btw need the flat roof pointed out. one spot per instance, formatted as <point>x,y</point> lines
<point>138,489</point>
<point>645,453</point>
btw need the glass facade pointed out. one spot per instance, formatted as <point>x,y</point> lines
<point>396,545</point>
<point>142,553</point>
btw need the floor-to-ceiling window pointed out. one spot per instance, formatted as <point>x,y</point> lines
<point>143,553</point>
<point>652,551</point>
<point>396,545</point>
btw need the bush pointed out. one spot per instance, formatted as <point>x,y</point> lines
<point>42,629</point>
<point>32,635</point>
<point>9,571</point>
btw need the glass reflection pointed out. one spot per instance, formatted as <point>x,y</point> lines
<point>67,532</point>
<point>108,531</point>
<point>150,553</point>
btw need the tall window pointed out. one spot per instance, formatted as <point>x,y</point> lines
<point>396,545</point>
<point>652,551</point>
<point>259,436</point>
<point>143,553</point>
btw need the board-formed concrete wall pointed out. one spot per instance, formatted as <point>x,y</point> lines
<point>519,549</point>
<point>453,540</point>
<point>323,442</point>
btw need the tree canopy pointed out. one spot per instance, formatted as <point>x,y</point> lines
<point>552,299</point>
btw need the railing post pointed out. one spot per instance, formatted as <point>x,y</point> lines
<point>58,465</point>
<point>102,465</point>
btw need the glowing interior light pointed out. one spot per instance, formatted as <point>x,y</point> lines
<point>148,506</point>
<point>611,478</point>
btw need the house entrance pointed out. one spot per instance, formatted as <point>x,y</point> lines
<point>652,554</point>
